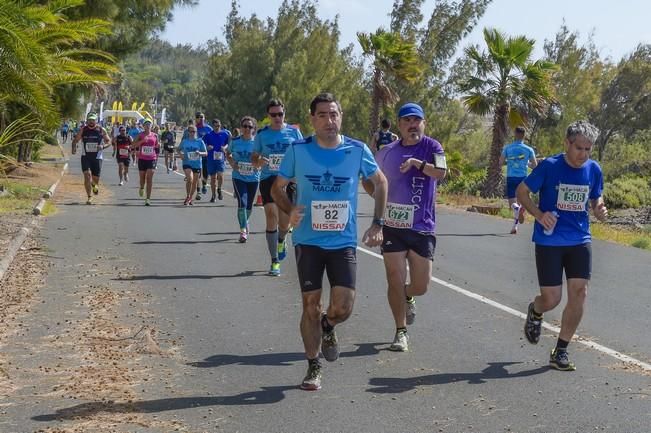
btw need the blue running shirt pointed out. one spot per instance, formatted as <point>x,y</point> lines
<point>241,150</point>
<point>566,190</point>
<point>189,147</point>
<point>517,156</point>
<point>326,182</point>
<point>272,144</point>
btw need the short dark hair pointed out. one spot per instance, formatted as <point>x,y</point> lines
<point>520,130</point>
<point>323,97</point>
<point>216,121</point>
<point>386,123</point>
<point>275,102</point>
<point>249,119</point>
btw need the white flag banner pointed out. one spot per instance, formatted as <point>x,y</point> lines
<point>89,106</point>
<point>101,112</point>
<point>163,116</point>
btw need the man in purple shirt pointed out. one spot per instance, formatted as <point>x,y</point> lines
<point>412,166</point>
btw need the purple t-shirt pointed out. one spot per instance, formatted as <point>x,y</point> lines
<point>411,199</point>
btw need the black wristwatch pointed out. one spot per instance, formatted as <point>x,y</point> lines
<point>378,221</point>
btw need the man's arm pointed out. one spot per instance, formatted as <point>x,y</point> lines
<point>282,201</point>
<point>373,236</point>
<point>374,143</point>
<point>428,169</point>
<point>533,162</point>
<point>75,141</point>
<point>547,219</point>
<point>599,209</point>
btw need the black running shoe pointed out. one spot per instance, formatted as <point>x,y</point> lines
<point>532,326</point>
<point>312,380</point>
<point>329,346</point>
<point>559,360</point>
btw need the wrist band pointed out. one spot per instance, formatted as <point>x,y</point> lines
<point>422,166</point>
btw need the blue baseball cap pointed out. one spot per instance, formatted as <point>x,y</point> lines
<point>411,109</point>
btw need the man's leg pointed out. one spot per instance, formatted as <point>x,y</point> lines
<point>150,179</point>
<point>188,183</point>
<point>577,291</point>
<point>220,181</point>
<point>271,216</point>
<point>311,323</point>
<point>395,265</point>
<point>87,182</point>
<point>213,186</point>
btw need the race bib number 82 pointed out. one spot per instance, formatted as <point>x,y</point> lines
<point>331,216</point>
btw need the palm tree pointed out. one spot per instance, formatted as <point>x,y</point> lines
<point>508,85</point>
<point>393,58</point>
<point>42,51</point>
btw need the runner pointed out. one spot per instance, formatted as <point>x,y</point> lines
<point>383,137</point>
<point>148,148</point>
<point>94,140</point>
<point>566,183</point>
<point>191,150</point>
<point>245,175</point>
<point>517,156</point>
<point>169,141</point>
<point>216,143</point>
<point>412,166</point>
<point>202,130</point>
<point>122,149</point>
<point>327,167</point>
<point>134,131</point>
<point>271,143</point>
<point>64,131</point>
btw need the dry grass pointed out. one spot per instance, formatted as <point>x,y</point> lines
<point>631,237</point>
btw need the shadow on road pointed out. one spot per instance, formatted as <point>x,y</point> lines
<point>278,359</point>
<point>226,233</point>
<point>266,395</point>
<point>495,370</point>
<point>497,235</point>
<point>216,241</point>
<point>189,276</point>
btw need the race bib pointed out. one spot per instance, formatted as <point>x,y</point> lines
<point>92,147</point>
<point>194,156</point>
<point>218,155</point>
<point>245,168</point>
<point>147,150</point>
<point>275,160</point>
<point>400,216</point>
<point>330,216</point>
<point>572,198</point>
<point>123,152</point>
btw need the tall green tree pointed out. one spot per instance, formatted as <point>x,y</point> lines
<point>625,105</point>
<point>508,85</point>
<point>392,57</point>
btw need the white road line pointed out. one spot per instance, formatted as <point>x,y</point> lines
<point>554,329</point>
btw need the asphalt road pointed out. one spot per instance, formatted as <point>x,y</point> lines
<point>237,354</point>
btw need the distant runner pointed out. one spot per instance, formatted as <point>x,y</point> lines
<point>122,147</point>
<point>94,140</point>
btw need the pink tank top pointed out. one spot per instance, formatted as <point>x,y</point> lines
<point>148,146</point>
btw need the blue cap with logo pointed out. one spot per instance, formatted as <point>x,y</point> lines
<point>411,109</point>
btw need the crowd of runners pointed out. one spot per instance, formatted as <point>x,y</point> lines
<point>309,188</point>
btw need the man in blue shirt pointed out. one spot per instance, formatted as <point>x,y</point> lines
<point>216,141</point>
<point>327,167</point>
<point>203,129</point>
<point>271,142</point>
<point>568,185</point>
<point>518,156</point>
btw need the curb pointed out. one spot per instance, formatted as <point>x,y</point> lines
<point>14,246</point>
<point>50,192</point>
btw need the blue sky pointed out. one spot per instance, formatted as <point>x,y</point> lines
<point>618,26</point>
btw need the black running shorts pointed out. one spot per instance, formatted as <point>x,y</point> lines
<point>398,240</point>
<point>90,162</point>
<point>146,164</point>
<point>575,260</point>
<point>340,266</point>
<point>265,190</point>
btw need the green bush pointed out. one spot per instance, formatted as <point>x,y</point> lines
<point>627,192</point>
<point>642,243</point>
<point>468,182</point>
<point>51,140</point>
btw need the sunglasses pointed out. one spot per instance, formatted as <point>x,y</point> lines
<point>281,114</point>
<point>247,126</point>
<point>192,130</point>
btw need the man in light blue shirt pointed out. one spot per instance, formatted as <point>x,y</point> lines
<point>518,157</point>
<point>326,168</point>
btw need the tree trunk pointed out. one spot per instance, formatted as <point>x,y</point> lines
<point>374,119</point>
<point>500,130</point>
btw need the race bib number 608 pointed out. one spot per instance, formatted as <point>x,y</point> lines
<point>331,216</point>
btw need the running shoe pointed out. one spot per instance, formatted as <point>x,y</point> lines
<point>411,310</point>
<point>90,200</point>
<point>282,250</point>
<point>559,360</point>
<point>190,202</point>
<point>532,326</point>
<point>521,213</point>
<point>141,192</point>
<point>212,199</point>
<point>312,380</point>
<point>400,342</point>
<point>274,271</point>
<point>121,183</point>
<point>198,197</point>
<point>243,236</point>
<point>329,346</point>
<point>204,190</point>
<point>514,230</point>
<point>95,189</point>
<point>219,194</point>
<point>186,201</point>
<point>126,178</point>
<point>147,202</point>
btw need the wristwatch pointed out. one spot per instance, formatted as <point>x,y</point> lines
<point>378,221</point>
